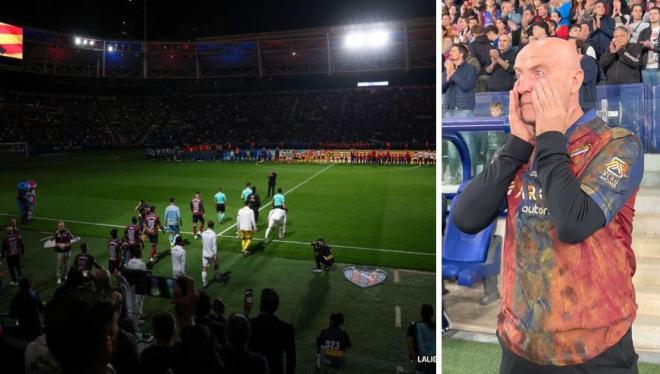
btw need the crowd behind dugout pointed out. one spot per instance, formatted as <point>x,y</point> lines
<point>616,39</point>
<point>220,152</point>
<point>404,117</point>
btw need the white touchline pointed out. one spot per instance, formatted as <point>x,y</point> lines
<point>289,191</point>
<point>397,316</point>
<point>342,246</point>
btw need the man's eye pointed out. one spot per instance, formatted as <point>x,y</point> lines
<point>539,74</point>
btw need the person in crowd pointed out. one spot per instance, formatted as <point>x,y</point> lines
<point>273,338</point>
<point>577,32</point>
<point>636,24</point>
<point>648,39</point>
<point>421,341</point>
<point>218,315</point>
<point>622,61</point>
<point>159,357</point>
<point>500,69</point>
<point>590,68</point>
<point>237,356</point>
<point>458,83</point>
<point>602,30</point>
<point>26,308</point>
<point>84,261</point>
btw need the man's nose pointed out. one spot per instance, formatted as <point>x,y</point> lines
<point>525,84</point>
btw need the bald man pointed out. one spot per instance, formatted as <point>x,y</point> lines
<point>570,183</point>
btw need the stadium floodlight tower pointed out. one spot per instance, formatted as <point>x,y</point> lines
<point>367,39</point>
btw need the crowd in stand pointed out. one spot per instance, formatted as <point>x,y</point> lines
<point>403,117</point>
<point>616,39</point>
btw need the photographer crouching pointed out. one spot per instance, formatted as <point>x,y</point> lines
<point>322,255</point>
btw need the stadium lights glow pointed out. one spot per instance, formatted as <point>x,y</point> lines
<point>371,84</point>
<point>77,40</point>
<point>367,39</point>
<point>111,48</point>
<point>91,42</point>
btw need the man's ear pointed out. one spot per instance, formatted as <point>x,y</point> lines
<point>576,82</point>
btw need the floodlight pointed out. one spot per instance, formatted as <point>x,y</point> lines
<point>355,40</point>
<point>111,48</point>
<point>377,38</point>
<point>77,40</point>
<point>91,42</point>
<point>85,41</point>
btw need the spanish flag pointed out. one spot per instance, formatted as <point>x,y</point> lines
<point>11,41</point>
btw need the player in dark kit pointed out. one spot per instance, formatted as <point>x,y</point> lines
<point>272,179</point>
<point>151,225</point>
<point>114,252</point>
<point>254,202</point>
<point>142,210</point>
<point>197,209</point>
<point>12,250</point>
<point>132,240</point>
<point>84,261</point>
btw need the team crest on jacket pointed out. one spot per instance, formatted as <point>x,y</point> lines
<point>614,171</point>
<point>364,277</point>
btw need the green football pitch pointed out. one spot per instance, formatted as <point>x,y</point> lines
<point>380,216</point>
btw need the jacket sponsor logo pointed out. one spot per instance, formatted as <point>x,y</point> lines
<point>615,170</point>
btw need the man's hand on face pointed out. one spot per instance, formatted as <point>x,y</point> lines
<point>518,127</point>
<point>551,114</point>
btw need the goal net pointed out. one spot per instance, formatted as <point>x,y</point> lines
<point>14,151</point>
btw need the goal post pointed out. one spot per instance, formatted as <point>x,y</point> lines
<point>16,151</point>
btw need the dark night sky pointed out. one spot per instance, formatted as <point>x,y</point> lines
<point>185,20</point>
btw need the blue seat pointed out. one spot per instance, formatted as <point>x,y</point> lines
<point>472,258</point>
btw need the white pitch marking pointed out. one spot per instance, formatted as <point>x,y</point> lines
<point>289,191</point>
<point>397,316</point>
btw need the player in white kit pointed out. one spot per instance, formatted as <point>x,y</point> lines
<point>276,218</point>
<point>209,251</point>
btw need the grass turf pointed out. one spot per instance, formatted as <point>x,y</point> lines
<point>466,357</point>
<point>375,207</point>
<point>356,206</point>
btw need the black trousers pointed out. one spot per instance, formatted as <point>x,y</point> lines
<point>14,264</point>
<point>619,359</point>
<point>271,190</point>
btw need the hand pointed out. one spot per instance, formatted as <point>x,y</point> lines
<point>646,44</point>
<point>551,114</point>
<point>494,54</point>
<point>186,305</point>
<point>449,65</point>
<point>613,47</point>
<point>518,127</point>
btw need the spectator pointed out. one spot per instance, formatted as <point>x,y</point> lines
<point>521,34</point>
<point>332,344</point>
<point>39,360</point>
<point>492,33</point>
<point>458,83</point>
<point>202,317</point>
<point>421,341</point>
<point>480,47</point>
<point>648,38</point>
<point>218,311</point>
<point>620,15</point>
<point>542,13</point>
<point>490,13</point>
<point>502,75</point>
<point>577,8</point>
<point>602,30</point>
<point>508,13</point>
<point>578,32</point>
<point>552,27</point>
<point>622,61</point>
<point>236,355</point>
<point>26,308</point>
<point>589,66</point>
<point>272,337</point>
<point>136,263</point>
<point>563,10</point>
<point>159,357</point>
<point>540,30</point>
<point>81,330</point>
<point>636,24</point>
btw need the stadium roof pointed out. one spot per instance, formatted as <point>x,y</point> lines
<point>186,21</point>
